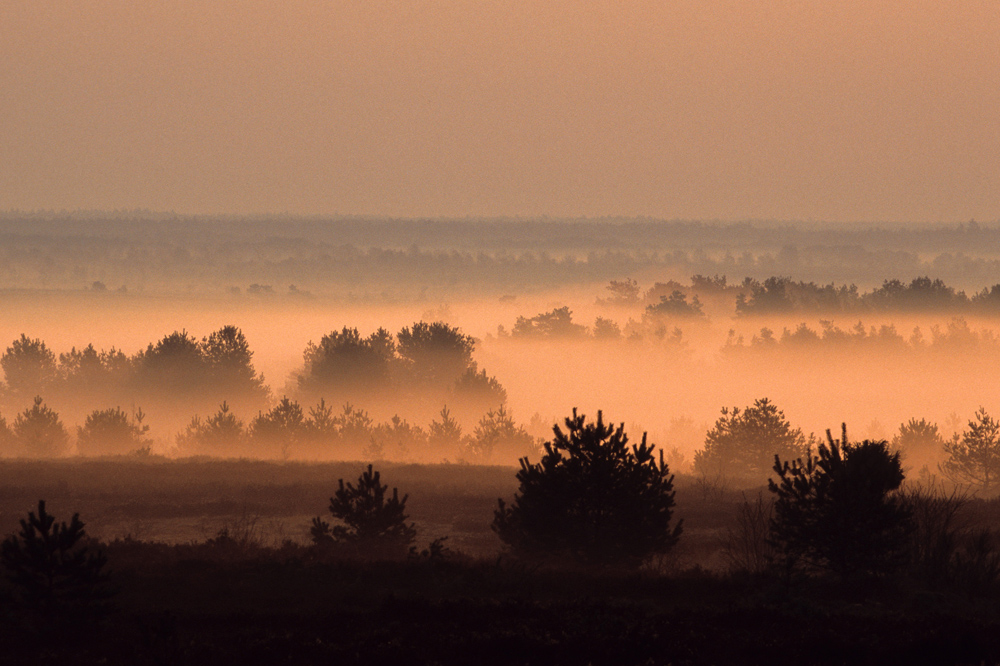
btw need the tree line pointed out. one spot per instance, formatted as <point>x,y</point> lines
<point>285,431</point>
<point>777,295</point>
<point>742,444</point>
<point>144,251</point>
<point>420,368</point>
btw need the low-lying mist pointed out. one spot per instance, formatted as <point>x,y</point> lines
<point>668,373</point>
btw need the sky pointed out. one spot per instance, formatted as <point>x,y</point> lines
<point>822,110</point>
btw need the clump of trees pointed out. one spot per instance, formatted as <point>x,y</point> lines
<point>778,294</point>
<point>592,499</point>
<point>675,305</point>
<point>177,370</point>
<point>287,430</point>
<point>557,323</point>
<point>423,365</point>
<point>955,336</point>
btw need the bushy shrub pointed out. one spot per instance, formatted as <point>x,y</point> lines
<point>592,499</point>
<point>38,432</point>
<point>279,431</point>
<point>112,431</point>
<point>221,434</point>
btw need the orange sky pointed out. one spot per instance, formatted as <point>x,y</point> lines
<point>839,110</point>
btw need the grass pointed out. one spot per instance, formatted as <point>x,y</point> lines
<point>261,596</point>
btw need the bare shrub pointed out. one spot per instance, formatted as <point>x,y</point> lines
<point>937,529</point>
<point>747,547</point>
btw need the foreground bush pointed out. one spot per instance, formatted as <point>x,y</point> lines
<point>51,568</point>
<point>839,511</point>
<point>592,498</point>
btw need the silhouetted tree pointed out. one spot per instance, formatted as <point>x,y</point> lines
<point>743,443</point>
<point>52,569</point>
<point>221,434</point>
<point>606,329</point>
<point>400,436</point>
<point>918,441</point>
<point>112,431</point>
<point>173,367</point>
<point>7,442</point>
<point>321,426</point>
<point>475,391</point>
<point>38,432</point>
<point>446,434</point>
<point>975,458</point>
<point>838,510</point>
<point>369,521</point>
<point>345,365</point>
<point>498,436</point>
<point>29,368</point>
<point>354,426</point>
<point>623,292</point>
<point>435,354</point>
<point>557,323</point>
<point>592,498</point>
<point>280,430</point>
<point>230,362</point>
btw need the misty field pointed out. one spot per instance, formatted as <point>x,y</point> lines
<point>197,396</point>
<point>270,503</point>
<point>210,562</point>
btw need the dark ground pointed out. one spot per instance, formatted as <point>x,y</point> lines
<point>250,599</point>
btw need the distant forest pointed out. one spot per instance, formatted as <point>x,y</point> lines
<point>387,258</point>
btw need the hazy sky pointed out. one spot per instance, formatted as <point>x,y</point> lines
<point>835,110</point>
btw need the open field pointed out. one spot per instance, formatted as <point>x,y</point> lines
<point>191,500</point>
<point>264,597</point>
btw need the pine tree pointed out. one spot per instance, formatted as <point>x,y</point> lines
<point>52,570</point>
<point>592,498</point>
<point>743,442</point>
<point>370,522</point>
<point>839,511</point>
<point>975,458</point>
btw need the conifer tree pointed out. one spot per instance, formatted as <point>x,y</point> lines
<point>838,510</point>
<point>592,498</point>
<point>369,521</point>
<point>50,567</point>
<point>975,457</point>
